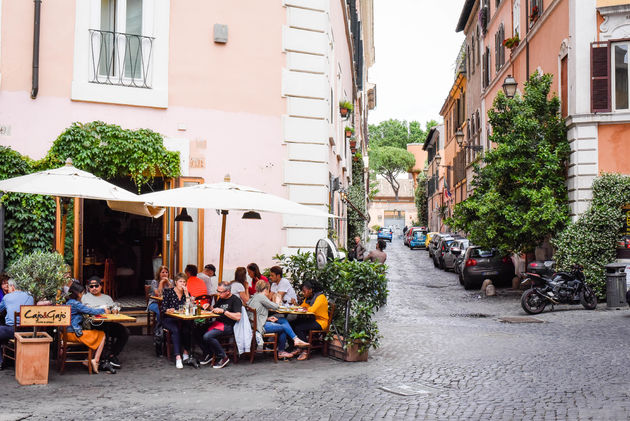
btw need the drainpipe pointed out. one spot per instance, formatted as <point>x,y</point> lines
<point>37,16</point>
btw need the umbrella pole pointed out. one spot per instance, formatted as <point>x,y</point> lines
<point>224,214</point>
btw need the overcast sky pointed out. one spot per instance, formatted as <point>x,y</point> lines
<point>416,47</point>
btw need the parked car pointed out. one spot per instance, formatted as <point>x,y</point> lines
<point>428,240</point>
<point>418,239</point>
<point>385,234</point>
<point>454,254</point>
<point>480,264</point>
<point>433,243</point>
<point>441,248</point>
<point>409,235</point>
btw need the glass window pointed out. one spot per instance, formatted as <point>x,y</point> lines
<point>133,58</point>
<point>621,76</point>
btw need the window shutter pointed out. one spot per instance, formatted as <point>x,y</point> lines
<point>600,77</point>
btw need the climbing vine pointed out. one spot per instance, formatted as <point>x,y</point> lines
<point>356,194</point>
<point>105,150</point>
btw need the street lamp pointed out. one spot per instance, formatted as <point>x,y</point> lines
<point>509,86</point>
<point>426,170</point>
<point>437,159</point>
<point>459,137</point>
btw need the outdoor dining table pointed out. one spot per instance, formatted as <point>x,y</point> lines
<point>191,318</point>
<point>289,310</point>
<point>156,298</point>
<point>118,318</point>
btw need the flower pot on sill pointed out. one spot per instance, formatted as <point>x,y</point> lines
<point>348,133</point>
<point>353,143</point>
<point>343,111</point>
<point>351,353</point>
<point>32,357</point>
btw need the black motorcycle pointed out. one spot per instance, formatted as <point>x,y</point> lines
<point>560,288</point>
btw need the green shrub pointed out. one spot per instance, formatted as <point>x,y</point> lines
<point>364,283</point>
<point>591,240</point>
<point>41,274</point>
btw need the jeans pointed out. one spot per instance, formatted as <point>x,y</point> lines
<point>210,341</point>
<point>117,335</point>
<point>6,333</point>
<point>303,326</point>
<point>179,334</point>
<point>155,308</point>
<point>283,328</point>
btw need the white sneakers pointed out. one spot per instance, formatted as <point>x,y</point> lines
<point>179,364</point>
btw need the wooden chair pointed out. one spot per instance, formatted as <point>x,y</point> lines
<point>70,352</point>
<point>270,340</point>
<point>317,338</point>
<point>8,350</point>
<point>151,316</point>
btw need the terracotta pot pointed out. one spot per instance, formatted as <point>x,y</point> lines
<point>350,354</point>
<point>343,111</point>
<point>32,357</point>
<point>353,143</point>
<point>348,133</point>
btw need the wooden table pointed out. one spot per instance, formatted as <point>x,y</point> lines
<point>291,311</point>
<point>119,318</point>
<point>156,298</point>
<point>204,315</point>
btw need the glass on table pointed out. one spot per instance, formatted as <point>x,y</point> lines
<point>181,309</point>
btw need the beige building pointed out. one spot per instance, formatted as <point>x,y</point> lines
<point>385,211</point>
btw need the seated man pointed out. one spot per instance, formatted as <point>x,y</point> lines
<point>229,307</point>
<point>196,287</point>
<point>281,289</point>
<point>94,298</point>
<point>317,303</point>
<point>207,275</point>
<point>11,302</point>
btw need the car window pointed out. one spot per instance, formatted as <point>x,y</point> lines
<point>482,253</point>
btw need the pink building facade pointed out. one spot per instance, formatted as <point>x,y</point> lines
<point>248,88</point>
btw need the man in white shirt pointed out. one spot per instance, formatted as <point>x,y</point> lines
<point>283,292</point>
<point>207,276</point>
<point>118,333</point>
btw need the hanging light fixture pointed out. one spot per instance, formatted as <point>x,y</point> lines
<point>251,215</point>
<point>183,216</point>
<point>509,86</point>
<point>459,137</point>
<point>437,159</point>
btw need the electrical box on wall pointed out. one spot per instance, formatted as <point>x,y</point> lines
<point>220,33</point>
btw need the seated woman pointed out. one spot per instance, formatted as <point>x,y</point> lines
<point>173,298</point>
<point>317,303</point>
<point>93,339</point>
<point>254,272</point>
<point>158,285</point>
<point>239,286</point>
<point>265,324</point>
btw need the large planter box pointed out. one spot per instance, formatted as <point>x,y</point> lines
<point>351,353</point>
<point>32,357</point>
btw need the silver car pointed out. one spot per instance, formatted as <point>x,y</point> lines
<point>454,254</point>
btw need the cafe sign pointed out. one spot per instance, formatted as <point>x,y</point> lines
<point>45,315</point>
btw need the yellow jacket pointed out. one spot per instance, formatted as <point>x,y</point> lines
<point>320,308</point>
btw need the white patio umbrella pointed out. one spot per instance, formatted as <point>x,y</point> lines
<point>67,181</point>
<point>226,197</point>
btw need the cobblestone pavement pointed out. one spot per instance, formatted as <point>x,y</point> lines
<point>444,356</point>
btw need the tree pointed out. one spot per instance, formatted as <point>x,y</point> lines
<point>422,201</point>
<point>389,161</point>
<point>398,133</point>
<point>520,196</point>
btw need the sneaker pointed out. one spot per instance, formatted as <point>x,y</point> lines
<point>106,367</point>
<point>207,359</point>
<point>185,357</point>
<point>179,364</point>
<point>114,361</point>
<point>222,363</point>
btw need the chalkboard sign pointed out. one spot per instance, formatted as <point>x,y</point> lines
<point>45,315</point>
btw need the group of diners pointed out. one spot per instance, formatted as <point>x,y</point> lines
<point>264,295</point>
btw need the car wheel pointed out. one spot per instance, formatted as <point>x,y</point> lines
<point>461,279</point>
<point>469,284</point>
<point>442,265</point>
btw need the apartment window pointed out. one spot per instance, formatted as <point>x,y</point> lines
<point>499,48</point>
<point>516,17</point>
<point>535,10</point>
<point>121,52</point>
<point>486,68</point>
<point>619,59</point>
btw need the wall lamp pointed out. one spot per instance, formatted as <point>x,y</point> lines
<point>509,86</point>
<point>459,136</point>
<point>438,159</point>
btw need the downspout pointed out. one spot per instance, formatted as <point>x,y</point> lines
<point>37,16</point>
<point>527,38</point>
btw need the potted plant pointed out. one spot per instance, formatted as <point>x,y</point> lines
<point>534,16</point>
<point>345,107</point>
<point>513,42</point>
<point>360,285</point>
<point>353,143</point>
<point>42,275</point>
<point>349,131</point>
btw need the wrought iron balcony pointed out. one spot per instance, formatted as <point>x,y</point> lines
<point>120,59</point>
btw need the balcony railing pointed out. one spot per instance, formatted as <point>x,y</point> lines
<point>120,59</point>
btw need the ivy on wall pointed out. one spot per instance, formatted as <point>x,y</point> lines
<point>591,240</point>
<point>106,150</point>
<point>356,194</point>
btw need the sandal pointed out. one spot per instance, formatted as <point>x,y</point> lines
<point>300,343</point>
<point>94,366</point>
<point>303,356</point>
<point>285,355</point>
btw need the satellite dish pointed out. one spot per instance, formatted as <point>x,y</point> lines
<point>325,251</point>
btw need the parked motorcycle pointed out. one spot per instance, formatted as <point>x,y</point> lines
<point>560,288</point>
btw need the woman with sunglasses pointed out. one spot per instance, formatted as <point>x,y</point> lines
<point>93,339</point>
<point>173,299</point>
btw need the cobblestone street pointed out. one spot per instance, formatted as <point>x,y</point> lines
<point>444,356</point>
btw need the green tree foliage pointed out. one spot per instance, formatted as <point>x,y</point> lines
<point>591,240</point>
<point>398,133</point>
<point>356,194</point>
<point>389,161</point>
<point>520,196</point>
<point>365,283</point>
<point>422,201</point>
<point>41,274</point>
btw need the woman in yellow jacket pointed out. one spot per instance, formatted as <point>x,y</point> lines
<point>314,302</point>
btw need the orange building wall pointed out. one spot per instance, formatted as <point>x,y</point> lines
<point>613,153</point>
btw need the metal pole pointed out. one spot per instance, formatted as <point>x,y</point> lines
<point>36,26</point>
<point>224,214</point>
